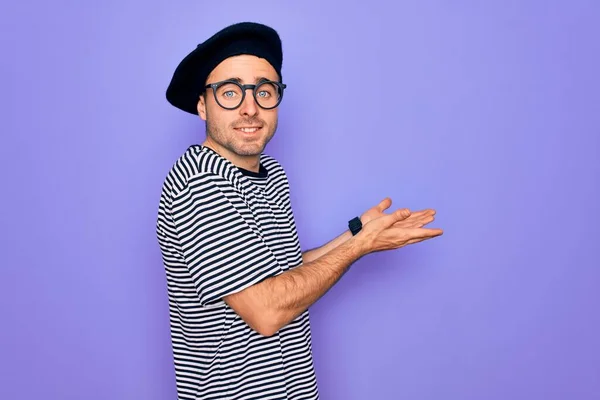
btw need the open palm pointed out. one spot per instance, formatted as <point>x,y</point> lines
<point>416,219</point>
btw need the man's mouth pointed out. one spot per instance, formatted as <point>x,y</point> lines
<point>249,129</point>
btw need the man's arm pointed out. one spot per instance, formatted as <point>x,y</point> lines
<point>313,254</point>
<point>268,306</point>
<point>276,301</point>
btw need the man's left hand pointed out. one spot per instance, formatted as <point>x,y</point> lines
<point>416,219</point>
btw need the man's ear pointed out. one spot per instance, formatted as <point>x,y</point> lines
<point>201,106</point>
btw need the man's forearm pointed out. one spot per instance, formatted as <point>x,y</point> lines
<point>273,303</point>
<point>313,254</point>
<point>300,287</point>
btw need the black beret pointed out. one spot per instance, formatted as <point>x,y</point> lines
<point>189,78</point>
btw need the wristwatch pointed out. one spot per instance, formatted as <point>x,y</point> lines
<point>355,225</point>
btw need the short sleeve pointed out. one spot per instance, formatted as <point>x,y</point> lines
<point>223,253</point>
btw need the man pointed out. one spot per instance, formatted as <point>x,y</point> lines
<point>239,286</point>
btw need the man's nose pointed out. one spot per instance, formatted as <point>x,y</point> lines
<point>249,106</point>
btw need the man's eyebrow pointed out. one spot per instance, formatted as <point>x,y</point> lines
<point>258,79</point>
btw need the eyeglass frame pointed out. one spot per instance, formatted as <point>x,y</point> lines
<point>214,86</point>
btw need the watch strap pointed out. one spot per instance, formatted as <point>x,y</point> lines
<point>355,225</point>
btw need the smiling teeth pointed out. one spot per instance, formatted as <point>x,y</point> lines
<point>248,130</point>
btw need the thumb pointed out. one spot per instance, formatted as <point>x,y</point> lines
<point>398,215</point>
<point>384,204</point>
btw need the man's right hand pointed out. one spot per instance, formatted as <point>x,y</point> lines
<point>386,233</point>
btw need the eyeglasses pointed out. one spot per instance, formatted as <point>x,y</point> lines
<point>230,94</point>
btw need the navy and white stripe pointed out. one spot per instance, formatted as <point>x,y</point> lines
<point>222,229</point>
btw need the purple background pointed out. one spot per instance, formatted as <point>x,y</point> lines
<point>488,112</point>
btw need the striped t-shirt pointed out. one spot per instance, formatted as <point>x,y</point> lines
<point>222,229</point>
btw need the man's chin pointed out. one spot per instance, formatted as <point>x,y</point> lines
<point>249,150</point>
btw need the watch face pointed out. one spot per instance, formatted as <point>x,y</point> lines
<point>355,225</point>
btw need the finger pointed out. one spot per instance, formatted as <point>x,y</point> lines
<point>426,212</point>
<point>430,234</point>
<point>408,224</point>
<point>398,215</point>
<point>425,220</point>
<point>418,233</point>
<point>416,222</point>
<point>418,240</point>
<point>422,214</point>
<point>413,241</point>
<point>384,204</point>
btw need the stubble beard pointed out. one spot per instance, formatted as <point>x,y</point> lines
<point>238,147</point>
